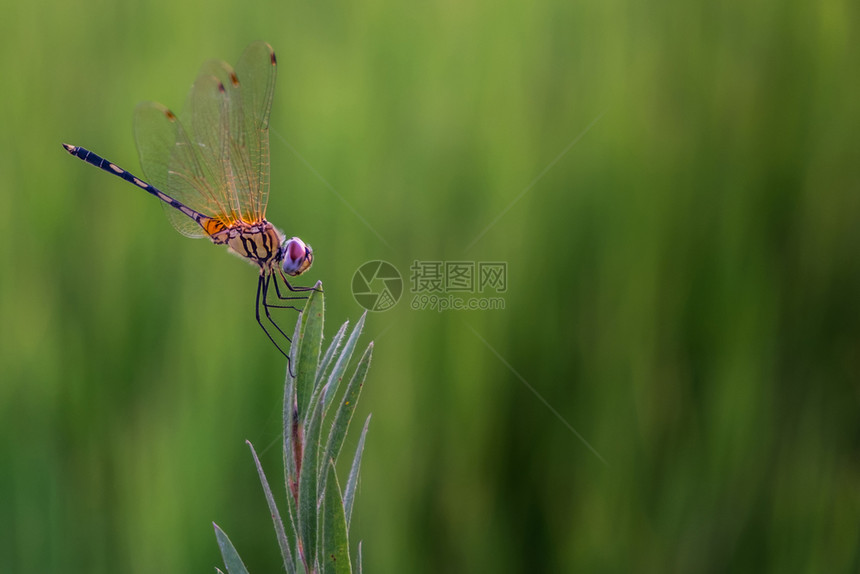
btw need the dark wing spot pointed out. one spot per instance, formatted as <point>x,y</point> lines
<point>234,79</point>
<point>221,88</point>
<point>274,61</point>
<point>170,115</point>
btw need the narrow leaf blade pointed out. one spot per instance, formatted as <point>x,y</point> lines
<point>342,361</point>
<point>308,481</point>
<point>289,439</point>
<point>345,411</point>
<point>335,547</point>
<point>308,346</point>
<point>352,481</point>
<point>231,558</point>
<point>332,350</point>
<point>276,515</point>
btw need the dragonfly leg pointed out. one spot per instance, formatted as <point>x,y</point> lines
<point>283,298</point>
<point>266,305</point>
<point>295,289</point>
<point>261,291</point>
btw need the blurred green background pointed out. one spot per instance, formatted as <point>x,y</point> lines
<point>683,285</point>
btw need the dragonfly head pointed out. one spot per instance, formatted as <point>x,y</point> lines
<point>297,256</point>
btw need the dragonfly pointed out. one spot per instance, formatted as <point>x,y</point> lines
<point>210,169</point>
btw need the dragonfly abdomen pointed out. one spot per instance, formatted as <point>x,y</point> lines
<point>207,223</point>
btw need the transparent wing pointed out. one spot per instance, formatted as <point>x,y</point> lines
<point>155,129</point>
<point>257,70</point>
<point>249,88</point>
<point>204,147</point>
<point>216,159</point>
<point>189,168</point>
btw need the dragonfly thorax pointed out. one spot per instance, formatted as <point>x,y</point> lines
<point>262,244</point>
<point>259,243</point>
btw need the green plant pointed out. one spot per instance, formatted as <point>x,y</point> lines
<point>315,426</point>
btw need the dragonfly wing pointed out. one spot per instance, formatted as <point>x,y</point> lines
<point>155,136</point>
<point>216,159</point>
<point>189,169</point>
<point>241,183</point>
<point>203,148</point>
<point>250,89</point>
<point>257,70</point>
<point>155,130</point>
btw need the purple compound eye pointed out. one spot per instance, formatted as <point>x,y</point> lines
<point>298,257</point>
